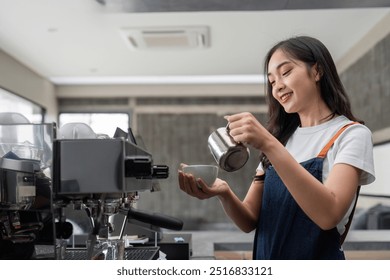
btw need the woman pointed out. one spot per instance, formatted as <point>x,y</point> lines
<point>306,185</point>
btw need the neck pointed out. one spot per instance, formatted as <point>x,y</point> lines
<point>316,119</point>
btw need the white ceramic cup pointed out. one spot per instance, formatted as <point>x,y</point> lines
<point>208,173</point>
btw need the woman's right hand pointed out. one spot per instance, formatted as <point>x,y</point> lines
<point>245,128</point>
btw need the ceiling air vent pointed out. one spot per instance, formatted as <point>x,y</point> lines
<point>167,38</point>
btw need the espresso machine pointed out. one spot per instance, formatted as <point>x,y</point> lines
<point>48,173</point>
<point>26,207</point>
<point>103,176</point>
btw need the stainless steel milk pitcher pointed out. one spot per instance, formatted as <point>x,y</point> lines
<point>229,154</point>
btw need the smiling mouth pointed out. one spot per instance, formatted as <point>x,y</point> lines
<point>285,96</point>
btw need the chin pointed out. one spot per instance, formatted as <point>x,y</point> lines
<point>289,107</point>
<point>289,111</point>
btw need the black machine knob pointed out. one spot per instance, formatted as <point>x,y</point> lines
<point>138,166</point>
<point>160,171</point>
<point>142,167</point>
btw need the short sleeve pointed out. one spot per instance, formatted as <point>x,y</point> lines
<point>355,147</point>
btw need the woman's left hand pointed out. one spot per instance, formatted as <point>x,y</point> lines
<point>196,187</point>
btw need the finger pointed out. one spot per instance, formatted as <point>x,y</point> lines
<point>190,184</point>
<point>181,180</point>
<point>193,185</point>
<point>232,118</point>
<point>202,185</point>
<point>185,184</point>
<point>182,165</point>
<point>235,117</point>
<point>202,192</point>
<point>198,189</point>
<point>234,124</point>
<point>206,190</point>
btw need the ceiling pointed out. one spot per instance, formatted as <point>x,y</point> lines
<point>87,41</point>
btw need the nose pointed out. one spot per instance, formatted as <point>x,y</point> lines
<point>279,85</point>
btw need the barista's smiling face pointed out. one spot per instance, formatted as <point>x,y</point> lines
<point>294,85</point>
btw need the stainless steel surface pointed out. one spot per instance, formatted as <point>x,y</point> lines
<point>229,155</point>
<point>132,253</point>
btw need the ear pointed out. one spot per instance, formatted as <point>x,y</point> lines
<point>317,72</point>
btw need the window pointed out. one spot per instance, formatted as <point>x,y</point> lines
<point>101,123</point>
<point>10,102</point>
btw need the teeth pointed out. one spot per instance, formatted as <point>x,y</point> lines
<point>285,96</point>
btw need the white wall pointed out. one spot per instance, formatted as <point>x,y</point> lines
<point>17,78</point>
<point>381,185</point>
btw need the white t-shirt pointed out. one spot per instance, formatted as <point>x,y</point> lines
<point>354,147</point>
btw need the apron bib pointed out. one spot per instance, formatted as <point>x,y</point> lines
<point>284,231</point>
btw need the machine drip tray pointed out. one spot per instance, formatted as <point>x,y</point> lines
<point>132,253</point>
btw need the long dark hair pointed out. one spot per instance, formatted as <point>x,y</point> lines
<point>312,52</point>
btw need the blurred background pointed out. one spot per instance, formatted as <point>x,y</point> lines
<point>171,70</point>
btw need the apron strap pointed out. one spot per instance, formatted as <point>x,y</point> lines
<point>344,235</point>
<point>322,154</point>
<point>325,149</point>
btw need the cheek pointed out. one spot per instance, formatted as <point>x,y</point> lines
<point>275,98</point>
<point>274,93</point>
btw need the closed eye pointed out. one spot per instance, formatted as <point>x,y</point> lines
<point>286,72</point>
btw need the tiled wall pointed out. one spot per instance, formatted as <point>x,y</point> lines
<point>368,84</point>
<point>176,138</point>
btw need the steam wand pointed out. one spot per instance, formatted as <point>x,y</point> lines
<point>154,219</point>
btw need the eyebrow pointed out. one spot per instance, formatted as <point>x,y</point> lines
<point>279,66</point>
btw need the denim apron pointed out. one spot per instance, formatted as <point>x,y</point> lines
<point>284,231</point>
